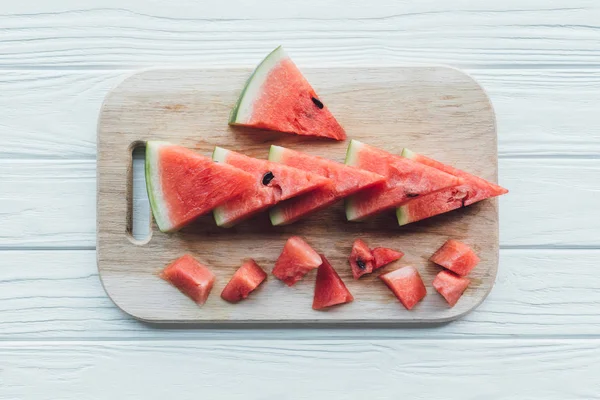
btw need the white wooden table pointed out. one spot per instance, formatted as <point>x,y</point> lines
<point>537,336</point>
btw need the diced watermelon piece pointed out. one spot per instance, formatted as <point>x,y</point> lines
<point>405,180</point>
<point>245,280</point>
<point>190,277</point>
<point>272,183</point>
<point>295,261</point>
<point>183,185</point>
<point>407,285</point>
<point>346,180</point>
<point>361,259</point>
<point>451,286</point>
<point>278,97</point>
<point>383,256</point>
<point>329,287</point>
<point>472,190</point>
<point>456,256</point>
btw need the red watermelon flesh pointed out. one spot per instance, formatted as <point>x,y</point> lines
<point>405,180</point>
<point>383,256</point>
<point>456,256</point>
<point>450,286</point>
<point>407,285</point>
<point>345,180</point>
<point>183,185</point>
<point>472,190</point>
<point>190,277</point>
<point>329,287</point>
<point>295,261</point>
<point>278,97</point>
<point>273,183</point>
<point>245,280</point>
<point>361,259</point>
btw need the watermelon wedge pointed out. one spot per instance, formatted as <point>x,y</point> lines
<point>329,287</point>
<point>361,259</point>
<point>456,256</point>
<point>406,180</point>
<point>407,285</point>
<point>346,180</point>
<point>183,185</point>
<point>245,280</point>
<point>190,277</point>
<point>295,261</point>
<point>472,190</point>
<point>272,183</point>
<point>450,286</point>
<point>383,256</point>
<point>278,97</point>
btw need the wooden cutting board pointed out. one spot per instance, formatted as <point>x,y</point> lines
<point>437,111</point>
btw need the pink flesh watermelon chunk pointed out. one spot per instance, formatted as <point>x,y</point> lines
<point>472,190</point>
<point>405,180</point>
<point>329,287</point>
<point>406,284</point>
<point>183,185</point>
<point>295,261</point>
<point>272,183</point>
<point>383,256</point>
<point>361,259</point>
<point>456,256</point>
<point>278,97</point>
<point>450,286</point>
<point>346,180</point>
<point>247,278</point>
<point>190,277</point>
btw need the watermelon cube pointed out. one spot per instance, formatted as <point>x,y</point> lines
<point>295,261</point>
<point>361,259</point>
<point>190,277</point>
<point>245,280</point>
<point>456,256</point>
<point>407,285</point>
<point>451,286</point>
<point>383,256</point>
<point>329,288</point>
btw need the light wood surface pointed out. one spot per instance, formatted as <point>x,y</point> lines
<point>435,110</point>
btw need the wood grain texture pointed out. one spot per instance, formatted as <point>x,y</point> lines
<point>389,108</point>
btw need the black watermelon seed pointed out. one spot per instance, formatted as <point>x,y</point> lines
<point>267,178</point>
<point>361,264</point>
<point>412,194</point>
<point>317,102</point>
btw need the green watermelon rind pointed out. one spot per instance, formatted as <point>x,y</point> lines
<point>352,160</point>
<point>154,187</point>
<point>242,110</point>
<point>275,214</point>
<point>220,155</point>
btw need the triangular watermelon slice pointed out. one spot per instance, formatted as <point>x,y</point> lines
<point>243,282</point>
<point>272,183</point>
<point>295,261</point>
<point>472,190</point>
<point>329,287</point>
<point>383,256</point>
<point>183,185</point>
<point>346,180</point>
<point>406,180</point>
<point>361,259</point>
<point>278,97</point>
<point>190,277</point>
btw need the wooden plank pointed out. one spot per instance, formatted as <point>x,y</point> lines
<point>58,295</point>
<point>51,203</point>
<point>252,369</point>
<point>374,105</point>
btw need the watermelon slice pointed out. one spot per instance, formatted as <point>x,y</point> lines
<point>406,180</point>
<point>456,256</point>
<point>183,185</point>
<point>407,285</point>
<point>472,190</point>
<point>345,181</point>
<point>329,287</point>
<point>278,97</point>
<point>272,183</point>
<point>295,261</point>
<point>190,277</point>
<point>361,259</point>
<point>450,286</point>
<point>245,280</point>
<point>383,256</point>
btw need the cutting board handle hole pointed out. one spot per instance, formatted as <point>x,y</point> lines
<point>139,220</point>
